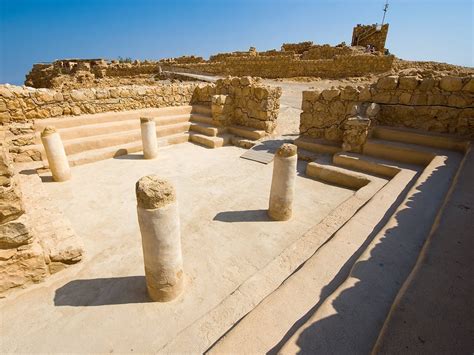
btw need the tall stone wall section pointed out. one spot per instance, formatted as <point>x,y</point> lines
<point>439,104</point>
<point>364,35</point>
<point>246,102</point>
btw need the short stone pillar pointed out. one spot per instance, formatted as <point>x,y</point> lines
<point>161,237</point>
<point>356,131</point>
<point>221,107</point>
<point>57,159</point>
<point>149,143</point>
<point>283,183</point>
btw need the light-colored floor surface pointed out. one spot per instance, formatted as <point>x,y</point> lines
<point>100,305</point>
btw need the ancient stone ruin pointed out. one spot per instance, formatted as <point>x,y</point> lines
<point>310,199</point>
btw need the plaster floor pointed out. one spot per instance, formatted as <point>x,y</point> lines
<point>101,305</point>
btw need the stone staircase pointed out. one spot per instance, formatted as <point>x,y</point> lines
<point>339,298</point>
<point>90,138</point>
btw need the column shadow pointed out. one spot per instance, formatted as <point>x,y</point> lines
<point>243,216</point>
<point>102,291</point>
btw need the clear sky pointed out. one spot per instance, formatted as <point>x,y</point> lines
<point>34,31</point>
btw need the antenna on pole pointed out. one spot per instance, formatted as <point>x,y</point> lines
<point>385,8</point>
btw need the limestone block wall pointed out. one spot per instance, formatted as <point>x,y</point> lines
<point>363,35</point>
<point>439,104</point>
<point>326,52</point>
<point>30,249</point>
<point>298,48</point>
<point>289,66</point>
<point>253,104</point>
<point>20,106</point>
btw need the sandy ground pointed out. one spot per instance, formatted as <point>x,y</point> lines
<point>100,305</point>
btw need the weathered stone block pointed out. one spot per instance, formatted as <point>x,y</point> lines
<point>450,83</point>
<point>408,82</point>
<point>15,233</point>
<point>387,83</point>
<point>330,94</point>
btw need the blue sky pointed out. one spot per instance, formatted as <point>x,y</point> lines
<point>43,30</point>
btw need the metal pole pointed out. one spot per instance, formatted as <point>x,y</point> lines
<point>385,8</point>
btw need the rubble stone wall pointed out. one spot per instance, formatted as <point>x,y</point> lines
<point>35,239</point>
<point>326,52</point>
<point>298,48</point>
<point>288,66</point>
<point>253,104</point>
<point>22,103</point>
<point>20,106</point>
<point>439,104</point>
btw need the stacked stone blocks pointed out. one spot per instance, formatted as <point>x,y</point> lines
<point>241,101</point>
<point>441,104</point>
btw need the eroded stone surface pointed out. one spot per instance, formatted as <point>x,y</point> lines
<point>154,192</point>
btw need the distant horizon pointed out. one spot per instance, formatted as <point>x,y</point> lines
<point>33,32</point>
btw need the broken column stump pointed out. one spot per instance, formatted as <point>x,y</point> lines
<point>56,154</point>
<point>149,143</point>
<point>158,218</point>
<point>283,183</point>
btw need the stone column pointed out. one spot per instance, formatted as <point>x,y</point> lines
<point>283,183</point>
<point>161,237</point>
<point>56,154</point>
<point>150,146</point>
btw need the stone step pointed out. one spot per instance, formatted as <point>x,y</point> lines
<point>91,156</point>
<point>73,146</point>
<point>242,142</point>
<point>362,301</point>
<point>95,142</point>
<point>316,279</point>
<point>207,129</point>
<point>90,119</point>
<point>201,118</point>
<point>335,175</point>
<point>201,109</point>
<point>210,142</point>
<point>366,164</point>
<point>318,145</point>
<point>247,132</point>
<point>429,139</point>
<point>112,127</point>
<point>397,151</point>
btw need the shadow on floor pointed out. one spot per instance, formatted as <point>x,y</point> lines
<point>123,154</point>
<point>243,216</point>
<point>46,178</point>
<point>28,172</point>
<point>103,291</point>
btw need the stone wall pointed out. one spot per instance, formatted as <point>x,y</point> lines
<point>26,255</point>
<point>364,35</point>
<point>21,106</point>
<point>19,103</point>
<point>298,48</point>
<point>293,60</point>
<point>245,101</point>
<point>327,52</point>
<point>288,66</point>
<point>439,104</point>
